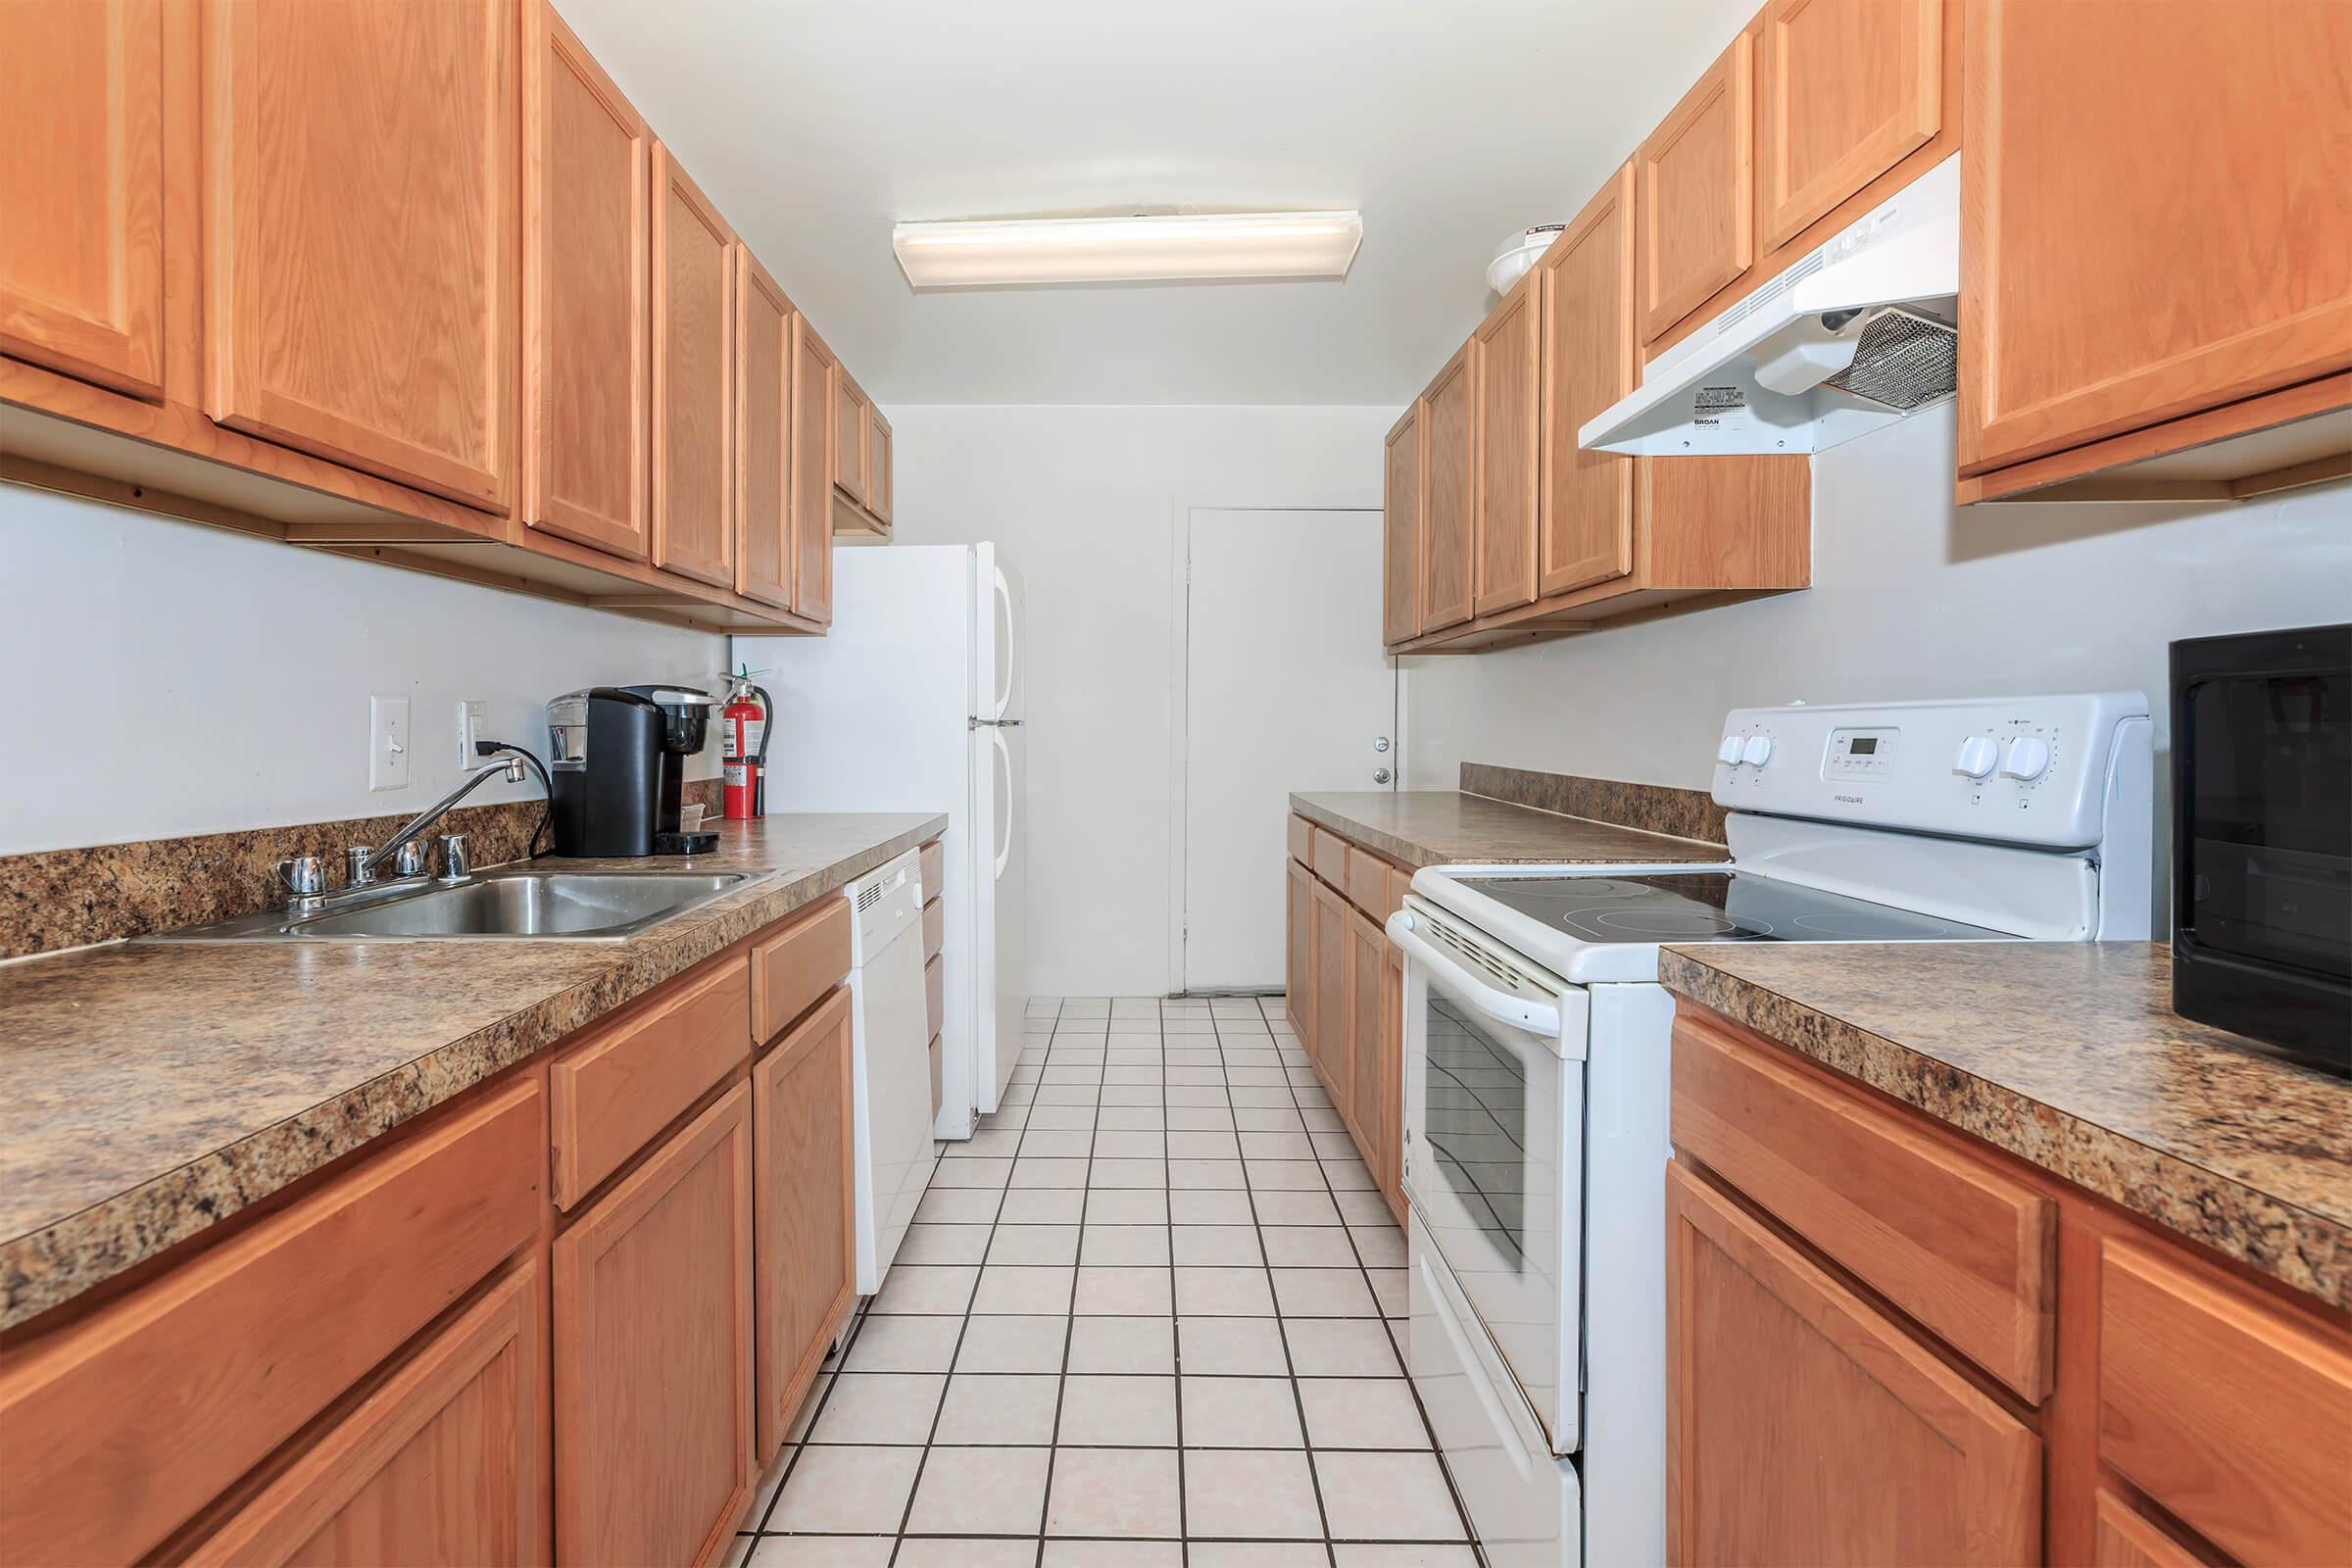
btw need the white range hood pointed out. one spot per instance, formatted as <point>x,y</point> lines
<point>1856,335</point>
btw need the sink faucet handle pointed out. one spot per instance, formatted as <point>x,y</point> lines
<point>305,875</point>
<point>410,859</point>
<point>357,872</point>
<point>457,857</point>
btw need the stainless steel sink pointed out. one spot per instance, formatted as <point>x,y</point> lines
<point>576,906</point>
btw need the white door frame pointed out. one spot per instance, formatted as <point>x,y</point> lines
<point>1180,647</point>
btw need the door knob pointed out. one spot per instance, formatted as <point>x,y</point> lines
<point>1380,775</point>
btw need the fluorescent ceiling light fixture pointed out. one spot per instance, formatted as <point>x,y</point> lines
<point>1176,248</point>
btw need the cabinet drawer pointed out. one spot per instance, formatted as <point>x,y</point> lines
<point>791,970</point>
<point>1400,882</point>
<point>1330,860</point>
<point>1368,883</point>
<point>935,992</point>
<point>935,927</point>
<point>2228,1412</point>
<point>607,1097</point>
<point>1302,840</point>
<point>931,866</point>
<point>282,1319</point>
<point>1954,1243</point>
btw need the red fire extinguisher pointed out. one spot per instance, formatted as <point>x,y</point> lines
<point>744,736</point>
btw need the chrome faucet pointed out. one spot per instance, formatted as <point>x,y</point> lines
<point>361,862</point>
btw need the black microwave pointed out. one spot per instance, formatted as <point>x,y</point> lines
<point>2262,839</point>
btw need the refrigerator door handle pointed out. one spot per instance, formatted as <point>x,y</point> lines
<point>1005,652</point>
<point>994,723</point>
<point>1003,758</point>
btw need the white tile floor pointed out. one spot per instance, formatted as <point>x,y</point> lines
<point>1149,1317</point>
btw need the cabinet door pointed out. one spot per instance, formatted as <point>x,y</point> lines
<point>1509,379</point>
<point>362,219</point>
<point>1401,499</point>
<point>850,422</point>
<point>1846,89</point>
<point>1391,1169</point>
<point>694,373</point>
<point>1299,972</point>
<point>1450,407</point>
<point>1367,1020</point>
<point>812,371</point>
<point>585,238</point>
<point>877,466</point>
<point>82,112</point>
<point>1333,1047</point>
<point>1590,360</point>
<point>446,1463</point>
<point>802,1179</point>
<point>653,1352</point>
<point>1806,1427</point>
<point>2111,144</point>
<point>762,432</point>
<point>1698,200</point>
<point>2124,1538</point>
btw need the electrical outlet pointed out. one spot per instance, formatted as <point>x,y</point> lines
<point>387,743</point>
<point>473,719</point>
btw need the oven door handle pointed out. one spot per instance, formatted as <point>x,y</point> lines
<point>1541,1017</point>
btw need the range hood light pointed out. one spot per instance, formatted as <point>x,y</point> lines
<point>1177,248</point>
<point>1806,355</point>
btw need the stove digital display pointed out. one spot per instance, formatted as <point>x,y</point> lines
<point>1864,744</point>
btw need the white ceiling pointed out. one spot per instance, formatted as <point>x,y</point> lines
<point>815,125</point>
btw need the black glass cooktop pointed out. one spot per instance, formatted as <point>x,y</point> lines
<point>1713,906</point>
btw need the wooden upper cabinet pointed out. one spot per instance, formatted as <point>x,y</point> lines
<point>2156,218</point>
<point>362,215</point>
<point>586,243</point>
<point>1805,1426</point>
<point>1585,531</point>
<point>814,368</point>
<point>653,1352</point>
<point>1697,193</point>
<point>81,146</point>
<point>878,475</point>
<point>762,433</point>
<point>447,1462</point>
<point>1403,463</point>
<point>1451,407</point>
<point>1846,89</point>
<point>802,1184</point>
<point>694,342</point>
<point>1509,368</point>
<point>850,431</point>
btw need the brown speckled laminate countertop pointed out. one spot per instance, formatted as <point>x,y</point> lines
<point>1446,827</point>
<point>2068,1055</point>
<point>148,1091</point>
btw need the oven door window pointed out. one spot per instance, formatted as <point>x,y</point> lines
<point>2270,818</point>
<point>1490,1103</point>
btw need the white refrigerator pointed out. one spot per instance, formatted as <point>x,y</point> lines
<point>913,702</point>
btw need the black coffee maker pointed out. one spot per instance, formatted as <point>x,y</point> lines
<point>617,757</point>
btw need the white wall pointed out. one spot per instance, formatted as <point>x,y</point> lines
<point>169,678</point>
<point>1084,501</point>
<point>1912,598</point>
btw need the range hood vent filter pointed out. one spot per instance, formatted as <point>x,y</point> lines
<point>1903,359</point>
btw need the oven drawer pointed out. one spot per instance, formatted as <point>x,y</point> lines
<point>1948,1239</point>
<point>1523,1501</point>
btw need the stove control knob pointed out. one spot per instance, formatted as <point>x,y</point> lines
<point>2028,757</point>
<point>1757,751</point>
<point>1728,754</point>
<point>1976,755</point>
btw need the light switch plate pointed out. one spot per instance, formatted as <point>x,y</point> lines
<point>387,743</point>
<point>473,716</point>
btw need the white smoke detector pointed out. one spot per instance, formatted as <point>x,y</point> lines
<point>1515,255</point>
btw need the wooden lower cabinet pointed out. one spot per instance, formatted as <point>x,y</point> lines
<point>653,1352</point>
<point>1367,979</point>
<point>1346,999</point>
<point>1808,1427</point>
<point>1298,973</point>
<point>447,1462</point>
<point>1330,1047</point>
<point>802,1198</point>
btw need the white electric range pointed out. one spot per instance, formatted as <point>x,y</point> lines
<point>1537,1057</point>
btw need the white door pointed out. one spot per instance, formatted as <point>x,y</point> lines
<point>1287,687</point>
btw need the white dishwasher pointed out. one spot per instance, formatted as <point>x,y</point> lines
<point>891,1063</point>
